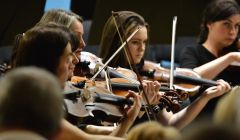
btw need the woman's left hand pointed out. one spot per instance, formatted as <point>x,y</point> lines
<point>152,91</point>
<point>215,91</point>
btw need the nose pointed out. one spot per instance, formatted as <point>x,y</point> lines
<point>82,43</point>
<point>141,47</point>
<point>234,30</point>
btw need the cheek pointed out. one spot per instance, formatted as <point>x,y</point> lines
<point>132,50</point>
<point>63,73</point>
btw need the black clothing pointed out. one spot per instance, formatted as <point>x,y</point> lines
<point>194,56</point>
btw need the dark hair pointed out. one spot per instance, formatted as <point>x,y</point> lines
<point>110,40</point>
<point>42,46</point>
<point>215,11</point>
<point>31,99</point>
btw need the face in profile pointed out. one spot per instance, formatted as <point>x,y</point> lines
<point>66,66</point>
<point>137,45</point>
<point>77,28</point>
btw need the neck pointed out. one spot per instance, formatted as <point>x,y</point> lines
<point>213,47</point>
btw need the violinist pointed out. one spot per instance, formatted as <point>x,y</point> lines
<point>218,45</point>
<point>110,41</point>
<point>37,45</point>
<point>74,23</point>
<point>218,42</point>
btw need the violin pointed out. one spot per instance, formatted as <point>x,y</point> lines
<point>120,86</point>
<point>126,82</point>
<point>90,64</point>
<point>184,79</point>
<point>97,102</point>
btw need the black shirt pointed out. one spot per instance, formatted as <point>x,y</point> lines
<point>194,56</point>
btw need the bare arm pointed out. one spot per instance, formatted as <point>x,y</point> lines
<point>185,116</point>
<point>213,68</point>
<point>100,130</point>
<point>70,132</point>
<point>132,113</point>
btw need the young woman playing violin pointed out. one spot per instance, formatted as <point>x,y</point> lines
<point>218,45</point>
<point>73,22</point>
<point>37,45</point>
<point>127,22</point>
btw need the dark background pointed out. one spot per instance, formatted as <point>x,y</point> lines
<point>17,16</point>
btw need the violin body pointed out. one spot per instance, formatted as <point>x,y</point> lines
<point>185,80</point>
<point>106,107</point>
<point>120,86</point>
<point>96,102</point>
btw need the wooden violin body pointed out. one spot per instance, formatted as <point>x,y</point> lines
<point>97,102</point>
<point>185,80</point>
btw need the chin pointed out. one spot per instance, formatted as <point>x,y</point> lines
<point>137,61</point>
<point>70,75</point>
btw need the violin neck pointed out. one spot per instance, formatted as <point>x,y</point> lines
<point>194,81</point>
<point>124,86</point>
<point>133,87</point>
<point>112,99</point>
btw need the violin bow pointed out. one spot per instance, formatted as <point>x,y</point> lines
<point>173,52</point>
<point>130,59</point>
<point>117,51</point>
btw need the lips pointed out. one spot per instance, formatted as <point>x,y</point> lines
<point>139,55</point>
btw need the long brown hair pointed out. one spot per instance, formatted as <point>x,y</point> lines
<point>42,46</point>
<point>110,40</point>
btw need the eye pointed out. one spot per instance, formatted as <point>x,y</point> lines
<point>227,24</point>
<point>134,42</point>
<point>237,26</point>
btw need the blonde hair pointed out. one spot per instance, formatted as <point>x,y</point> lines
<point>153,131</point>
<point>227,109</point>
<point>59,16</point>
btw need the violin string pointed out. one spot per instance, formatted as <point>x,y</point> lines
<point>115,53</point>
<point>106,75</point>
<point>124,48</point>
<point>134,69</point>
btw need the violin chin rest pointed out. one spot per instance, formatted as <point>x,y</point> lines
<point>105,112</point>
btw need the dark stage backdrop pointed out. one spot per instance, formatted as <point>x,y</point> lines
<point>158,13</point>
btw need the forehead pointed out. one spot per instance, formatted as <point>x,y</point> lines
<point>77,27</point>
<point>234,18</point>
<point>141,34</point>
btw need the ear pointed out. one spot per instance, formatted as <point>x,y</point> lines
<point>209,25</point>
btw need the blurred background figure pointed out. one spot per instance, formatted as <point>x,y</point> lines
<point>227,110</point>
<point>209,131</point>
<point>153,131</point>
<point>31,104</point>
